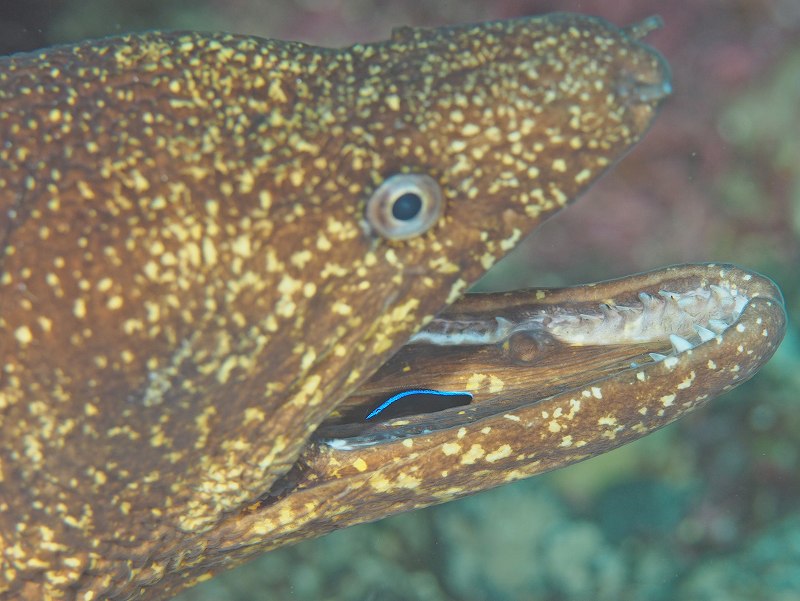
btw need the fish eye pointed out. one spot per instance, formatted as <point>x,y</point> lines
<point>404,206</point>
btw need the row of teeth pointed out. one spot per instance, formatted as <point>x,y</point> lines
<point>714,327</point>
<point>704,311</point>
<point>680,344</point>
<point>668,314</point>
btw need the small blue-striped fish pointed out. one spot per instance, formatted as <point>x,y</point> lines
<point>417,391</point>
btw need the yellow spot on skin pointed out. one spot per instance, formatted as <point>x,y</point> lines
<point>501,453</point>
<point>451,448</point>
<point>475,381</point>
<point>667,400</point>
<point>379,483</point>
<point>360,465</point>
<point>393,102</point>
<point>308,359</point>
<point>456,291</point>
<point>275,91</point>
<point>341,308</point>
<point>687,381</point>
<point>79,308</point>
<point>23,335</point>
<point>225,369</point>
<point>510,242</point>
<point>583,176</point>
<point>157,439</point>
<point>408,443</point>
<point>406,481</point>
<point>470,457</point>
<point>254,414</point>
<point>99,478</point>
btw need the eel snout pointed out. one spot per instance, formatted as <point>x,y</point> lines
<point>556,376</point>
<point>643,83</point>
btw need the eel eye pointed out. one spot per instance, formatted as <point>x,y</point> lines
<point>404,206</point>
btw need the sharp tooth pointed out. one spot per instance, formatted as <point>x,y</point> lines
<point>688,301</point>
<point>704,333</point>
<point>673,296</point>
<point>717,325</point>
<point>611,314</point>
<point>719,292</point>
<point>679,344</point>
<point>504,326</point>
<point>657,357</point>
<point>647,300</point>
<point>738,304</point>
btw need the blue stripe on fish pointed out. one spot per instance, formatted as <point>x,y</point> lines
<point>406,393</point>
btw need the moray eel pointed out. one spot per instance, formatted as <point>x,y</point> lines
<point>210,242</point>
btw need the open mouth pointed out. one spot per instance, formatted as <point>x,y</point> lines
<point>501,352</point>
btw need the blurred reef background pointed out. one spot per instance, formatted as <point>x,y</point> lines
<point>706,509</point>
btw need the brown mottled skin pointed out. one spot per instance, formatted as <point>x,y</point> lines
<point>189,286</point>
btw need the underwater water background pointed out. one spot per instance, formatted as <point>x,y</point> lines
<point>705,509</point>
